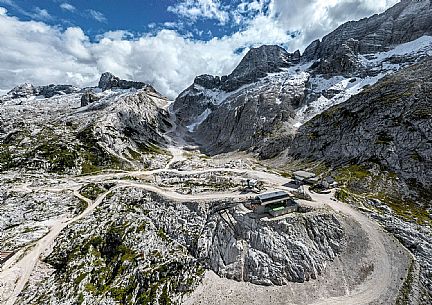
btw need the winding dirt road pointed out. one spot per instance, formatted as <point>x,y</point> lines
<point>381,285</point>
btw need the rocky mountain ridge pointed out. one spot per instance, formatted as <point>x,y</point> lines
<point>337,52</point>
<point>265,108</point>
<point>94,191</point>
<point>82,130</point>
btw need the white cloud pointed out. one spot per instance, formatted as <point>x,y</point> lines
<point>98,16</point>
<point>67,7</point>
<point>315,18</point>
<point>195,9</point>
<point>116,35</point>
<point>3,11</point>
<point>41,14</point>
<point>37,13</point>
<point>41,54</point>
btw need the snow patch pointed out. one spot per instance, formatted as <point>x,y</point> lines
<point>418,46</point>
<point>199,120</point>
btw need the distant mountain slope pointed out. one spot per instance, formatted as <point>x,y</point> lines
<point>64,129</point>
<point>260,105</point>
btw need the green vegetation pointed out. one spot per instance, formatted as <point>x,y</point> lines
<point>161,233</point>
<point>406,209</point>
<point>81,206</point>
<point>313,136</point>
<point>80,278</point>
<point>359,184</point>
<point>94,157</point>
<point>403,298</point>
<point>61,157</point>
<point>5,157</point>
<point>352,172</point>
<point>152,149</point>
<point>384,138</point>
<point>416,156</point>
<point>342,195</point>
<point>116,271</point>
<point>422,113</point>
<point>135,155</point>
<point>57,153</point>
<point>92,191</point>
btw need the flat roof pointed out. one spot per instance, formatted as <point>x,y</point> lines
<point>274,196</point>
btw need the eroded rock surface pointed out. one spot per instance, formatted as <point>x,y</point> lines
<point>138,246</point>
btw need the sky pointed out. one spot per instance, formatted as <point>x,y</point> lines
<point>166,43</point>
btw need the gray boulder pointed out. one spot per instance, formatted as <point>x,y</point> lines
<point>88,97</point>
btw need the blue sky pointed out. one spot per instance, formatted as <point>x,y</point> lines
<point>165,43</point>
<point>135,16</point>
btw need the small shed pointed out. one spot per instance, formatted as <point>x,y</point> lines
<point>305,177</point>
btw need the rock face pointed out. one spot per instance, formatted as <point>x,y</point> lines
<point>256,64</point>
<point>250,250</point>
<point>388,123</point>
<point>406,21</point>
<point>109,81</point>
<point>88,97</point>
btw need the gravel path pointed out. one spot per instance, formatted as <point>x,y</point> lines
<point>370,271</point>
<point>340,285</point>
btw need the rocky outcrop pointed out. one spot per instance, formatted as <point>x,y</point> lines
<point>253,120</point>
<point>138,246</point>
<point>24,90</point>
<point>256,64</point>
<point>88,97</point>
<point>53,90</point>
<point>109,81</point>
<point>295,249</point>
<point>245,110</point>
<point>418,240</point>
<point>27,90</point>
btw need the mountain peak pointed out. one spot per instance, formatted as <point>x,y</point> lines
<point>109,80</point>
<point>404,22</point>
<point>265,59</point>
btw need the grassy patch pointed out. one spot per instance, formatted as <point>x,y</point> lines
<point>152,149</point>
<point>405,291</point>
<point>135,155</point>
<point>359,184</point>
<point>352,172</point>
<point>81,206</point>
<point>94,157</point>
<point>406,209</point>
<point>92,191</point>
